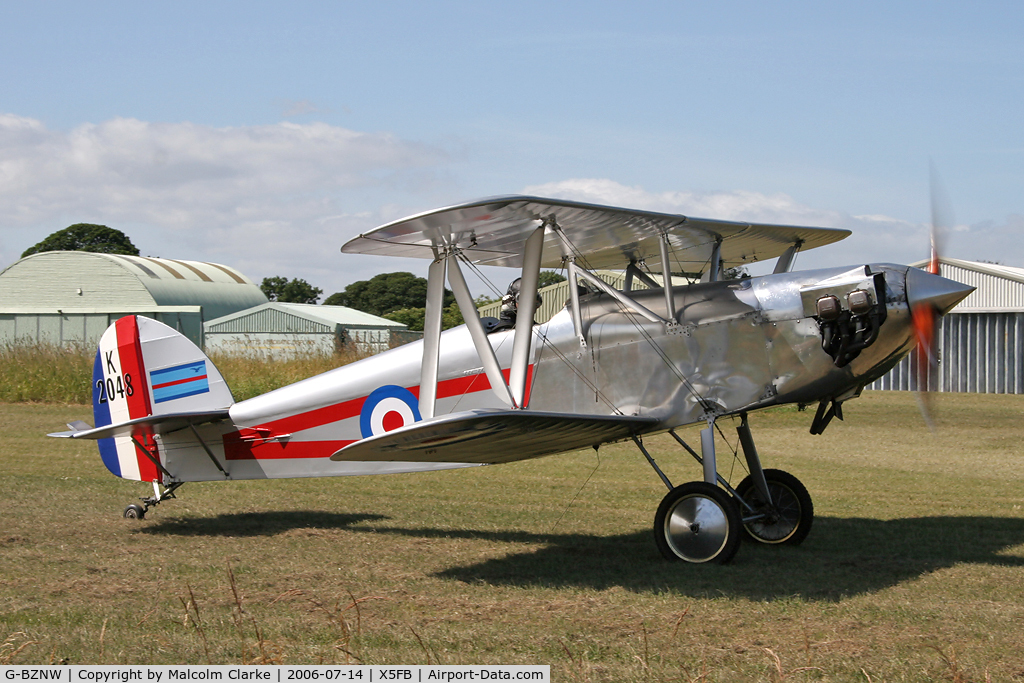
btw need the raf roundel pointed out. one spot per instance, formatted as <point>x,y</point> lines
<point>388,408</point>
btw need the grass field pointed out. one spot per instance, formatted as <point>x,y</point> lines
<point>914,569</point>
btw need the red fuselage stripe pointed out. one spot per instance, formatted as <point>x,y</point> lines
<point>247,444</point>
<point>282,450</point>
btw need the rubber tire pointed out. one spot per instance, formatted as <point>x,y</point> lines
<point>798,509</point>
<point>134,511</point>
<point>711,507</point>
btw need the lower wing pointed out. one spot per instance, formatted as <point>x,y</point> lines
<point>495,436</point>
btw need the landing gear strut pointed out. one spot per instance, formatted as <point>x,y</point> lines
<point>701,521</point>
<point>136,511</point>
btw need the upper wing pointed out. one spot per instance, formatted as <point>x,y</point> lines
<point>495,436</point>
<point>493,231</point>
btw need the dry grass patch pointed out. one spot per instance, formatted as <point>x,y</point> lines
<point>50,373</point>
<point>914,569</point>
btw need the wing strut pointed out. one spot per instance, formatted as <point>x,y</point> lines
<point>432,336</point>
<point>621,298</point>
<point>633,272</point>
<point>666,278</point>
<point>715,269</point>
<point>574,297</point>
<point>476,331</point>
<point>785,262</point>
<point>527,306</point>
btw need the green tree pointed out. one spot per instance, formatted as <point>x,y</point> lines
<point>287,291</point>
<point>414,318</point>
<point>86,237</point>
<point>386,293</point>
<point>410,317</point>
<point>549,277</point>
<point>451,317</point>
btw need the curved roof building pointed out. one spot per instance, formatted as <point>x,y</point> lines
<point>63,296</point>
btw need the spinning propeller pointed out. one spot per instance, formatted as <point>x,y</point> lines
<point>927,311</point>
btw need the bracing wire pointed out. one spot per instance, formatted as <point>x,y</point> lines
<point>589,476</point>
<point>479,273</point>
<point>649,339</point>
<point>734,448</point>
<point>576,371</point>
<point>546,342</point>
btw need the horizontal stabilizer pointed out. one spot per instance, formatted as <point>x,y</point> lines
<point>495,436</point>
<point>160,424</point>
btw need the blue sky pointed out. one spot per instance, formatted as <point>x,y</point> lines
<point>264,135</point>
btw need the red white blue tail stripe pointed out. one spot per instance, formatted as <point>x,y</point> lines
<point>144,369</point>
<point>121,393</point>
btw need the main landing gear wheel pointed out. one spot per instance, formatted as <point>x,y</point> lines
<point>134,511</point>
<point>786,519</point>
<point>697,522</point>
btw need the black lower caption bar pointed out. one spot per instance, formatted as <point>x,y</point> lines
<point>427,673</point>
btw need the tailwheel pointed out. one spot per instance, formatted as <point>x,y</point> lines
<point>697,522</point>
<point>134,511</point>
<point>785,519</point>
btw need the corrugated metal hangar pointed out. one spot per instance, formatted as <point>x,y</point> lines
<point>285,330</point>
<point>64,297</point>
<point>981,341</point>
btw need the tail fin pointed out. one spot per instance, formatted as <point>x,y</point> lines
<point>145,369</point>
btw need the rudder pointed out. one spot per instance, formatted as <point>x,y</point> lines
<point>145,368</point>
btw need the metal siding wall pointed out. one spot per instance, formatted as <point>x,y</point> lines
<point>49,328</point>
<point>187,323</point>
<point>72,329</point>
<point>95,325</point>
<point>86,328</point>
<point>7,328</point>
<point>278,345</point>
<point>992,291</point>
<point>370,340</point>
<point>979,352</point>
<point>1018,354</point>
<point>270,320</point>
<point>555,296</point>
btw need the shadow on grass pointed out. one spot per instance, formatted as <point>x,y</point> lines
<point>256,523</point>
<point>842,557</point>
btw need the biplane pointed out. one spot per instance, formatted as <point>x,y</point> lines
<point>677,345</point>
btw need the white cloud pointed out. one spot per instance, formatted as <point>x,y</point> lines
<point>281,199</point>
<point>274,199</point>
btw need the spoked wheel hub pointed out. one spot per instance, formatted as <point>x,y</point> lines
<point>698,523</point>
<point>786,518</point>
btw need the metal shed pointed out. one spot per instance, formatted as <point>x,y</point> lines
<point>286,330</point>
<point>981,341</point>
<point>72,296</point>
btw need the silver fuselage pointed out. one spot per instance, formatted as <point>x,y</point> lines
<point>735,346</point>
